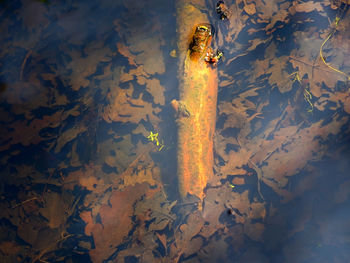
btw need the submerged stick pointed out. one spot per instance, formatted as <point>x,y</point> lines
<point>197,100</point>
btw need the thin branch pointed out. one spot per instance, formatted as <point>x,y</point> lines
<point>24,64</point>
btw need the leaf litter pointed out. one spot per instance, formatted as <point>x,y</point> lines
<point>266,145</point>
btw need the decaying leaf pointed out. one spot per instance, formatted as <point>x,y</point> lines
<point>57,208</point>
<point>125,108</point>
<point>79,95</point>
<point>250,9</point>
<point>115,221</point>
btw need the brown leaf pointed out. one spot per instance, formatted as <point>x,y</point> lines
<point>193,247</point>
<point>115,221</point>
<point>185,234</point>
<point>68,135</point>
<point>118,153</point>
<point>146,45</point>
<point>144,174</point>
<point>31,130</point>
<point>34,15</point>
<point>124,108</point>
<point>88,177</point>
<point>301,147</point>
<point>240,202</point>
<point>254,231</point>
<point>57,208</point>
<point>156,90</point>
<point>257,211</point>
<point>28,231</point>
<point>9,248</point>
<point>126,53</point>
<point>347,105</point>
<point>162,239</point>
<point>250,9</point>
<point>267,9</point>
<point>156,210</point>
<point>238,181</point>
<point>84,66</point>
<point>281,16</point>
<point>308,7</point>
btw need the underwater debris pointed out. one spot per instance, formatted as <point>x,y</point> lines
<point>212,58</point>
<point>335,25</point>
<point>153,137</point>
<point>222,10</point>
<point>173,53</point>
<point>308,97</point>
<point>180,108</point>
<point>307,94</point>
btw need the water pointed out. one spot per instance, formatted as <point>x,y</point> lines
<point>84,83</point>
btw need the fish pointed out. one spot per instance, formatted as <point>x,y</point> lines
<point>196,107</point>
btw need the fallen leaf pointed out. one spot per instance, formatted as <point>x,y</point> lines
<point>126,53</point>
<point>250,9</point>
<point>68,135</point>
<point>238,181</point>
<point>57,208</point>
<point>31,129</point>
<point>254,231</point>
<point>115,221</point>
<point>308,7</point>
<point>124,108</point>
<point>9,248</point>
<point>162,239</point>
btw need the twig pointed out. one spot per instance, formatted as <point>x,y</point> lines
<point>337,19</point>
<point>24,64</point>
<point>45,188</point>
<point>310,65</point>
<point>164,214</point>
<point>188,203</point>
<point>26,201</point>
<point>47,249</point>
<point>259,175</point>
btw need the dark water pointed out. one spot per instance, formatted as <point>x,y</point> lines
<point>82,85</point>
